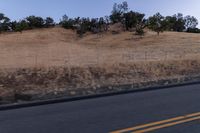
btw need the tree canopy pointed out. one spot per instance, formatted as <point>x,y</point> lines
<point>131,21</point>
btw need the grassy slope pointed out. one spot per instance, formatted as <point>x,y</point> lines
<point>59,47</point>
<point>55,60</point>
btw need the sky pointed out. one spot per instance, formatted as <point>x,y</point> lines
<point>19,9</point>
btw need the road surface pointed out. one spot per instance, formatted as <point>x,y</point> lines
<point>172,110</point>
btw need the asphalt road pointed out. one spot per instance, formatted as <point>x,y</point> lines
<point>173,110</point>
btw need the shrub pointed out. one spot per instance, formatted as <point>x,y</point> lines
<point>35,22</point>
<point>193,30</point>
<point>49,22</point>
<point>4,23</point>
<point>139,30</point>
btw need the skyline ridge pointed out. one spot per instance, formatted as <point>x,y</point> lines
<point>16,10</point>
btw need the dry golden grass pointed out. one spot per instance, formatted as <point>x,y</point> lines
<point>88,80</point>
<point>56,60</point>
<point>60,47</point>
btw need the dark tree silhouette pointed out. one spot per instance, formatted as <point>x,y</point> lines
<point>190,22</point>
<point>156,23</point>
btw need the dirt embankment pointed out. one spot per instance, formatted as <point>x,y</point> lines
<point>29,84</point>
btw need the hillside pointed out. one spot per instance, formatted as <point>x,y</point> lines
<point>60,47</point>
<point>55,62</point>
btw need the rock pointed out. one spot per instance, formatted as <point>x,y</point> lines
<point>110,87</point>
<point>98,86</point>
<point>94,88</point>
<point>90,92</point>
<point>72,93</point>
<point>166,83</point>
<point>55,93</point>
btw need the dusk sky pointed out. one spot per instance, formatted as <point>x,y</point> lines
<point>16,9</point>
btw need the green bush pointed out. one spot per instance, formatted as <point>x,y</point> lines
<point>193,30</point>
<point>49,22</point>
<point>35,22</point>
